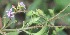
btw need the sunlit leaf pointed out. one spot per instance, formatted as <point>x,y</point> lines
<point>30,13</point>
<point>42,31</point>
<point>12,33</point>
<point>51,12</point>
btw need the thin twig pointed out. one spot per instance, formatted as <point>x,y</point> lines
<point>40,26</point>
<point>5,24</point>
<point>61,16</point>
<point>66,27</point>
<point>59,13</point>
<point>8,24</point>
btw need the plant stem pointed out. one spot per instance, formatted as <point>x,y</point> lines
<point>33,28</point>
<point>59,13</point>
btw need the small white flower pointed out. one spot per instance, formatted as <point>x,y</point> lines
<point>10,14</point>
<point>22,4</point>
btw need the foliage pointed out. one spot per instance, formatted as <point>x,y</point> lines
<point>37,21</point>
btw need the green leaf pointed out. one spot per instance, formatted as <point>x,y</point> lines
<point>51,12</point>
<point>54,32</point>
<point>12,22</point>
<point>42,31</point>
<point>40,12</point>
<point>30,13</point>
<point>59,29</point>
<point>33,20</point>
<point>12,33</point>
<point>62,33</point>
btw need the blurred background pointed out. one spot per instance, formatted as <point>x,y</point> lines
<point>44,5</point>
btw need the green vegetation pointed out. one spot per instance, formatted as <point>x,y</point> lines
<point>43,17</point>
